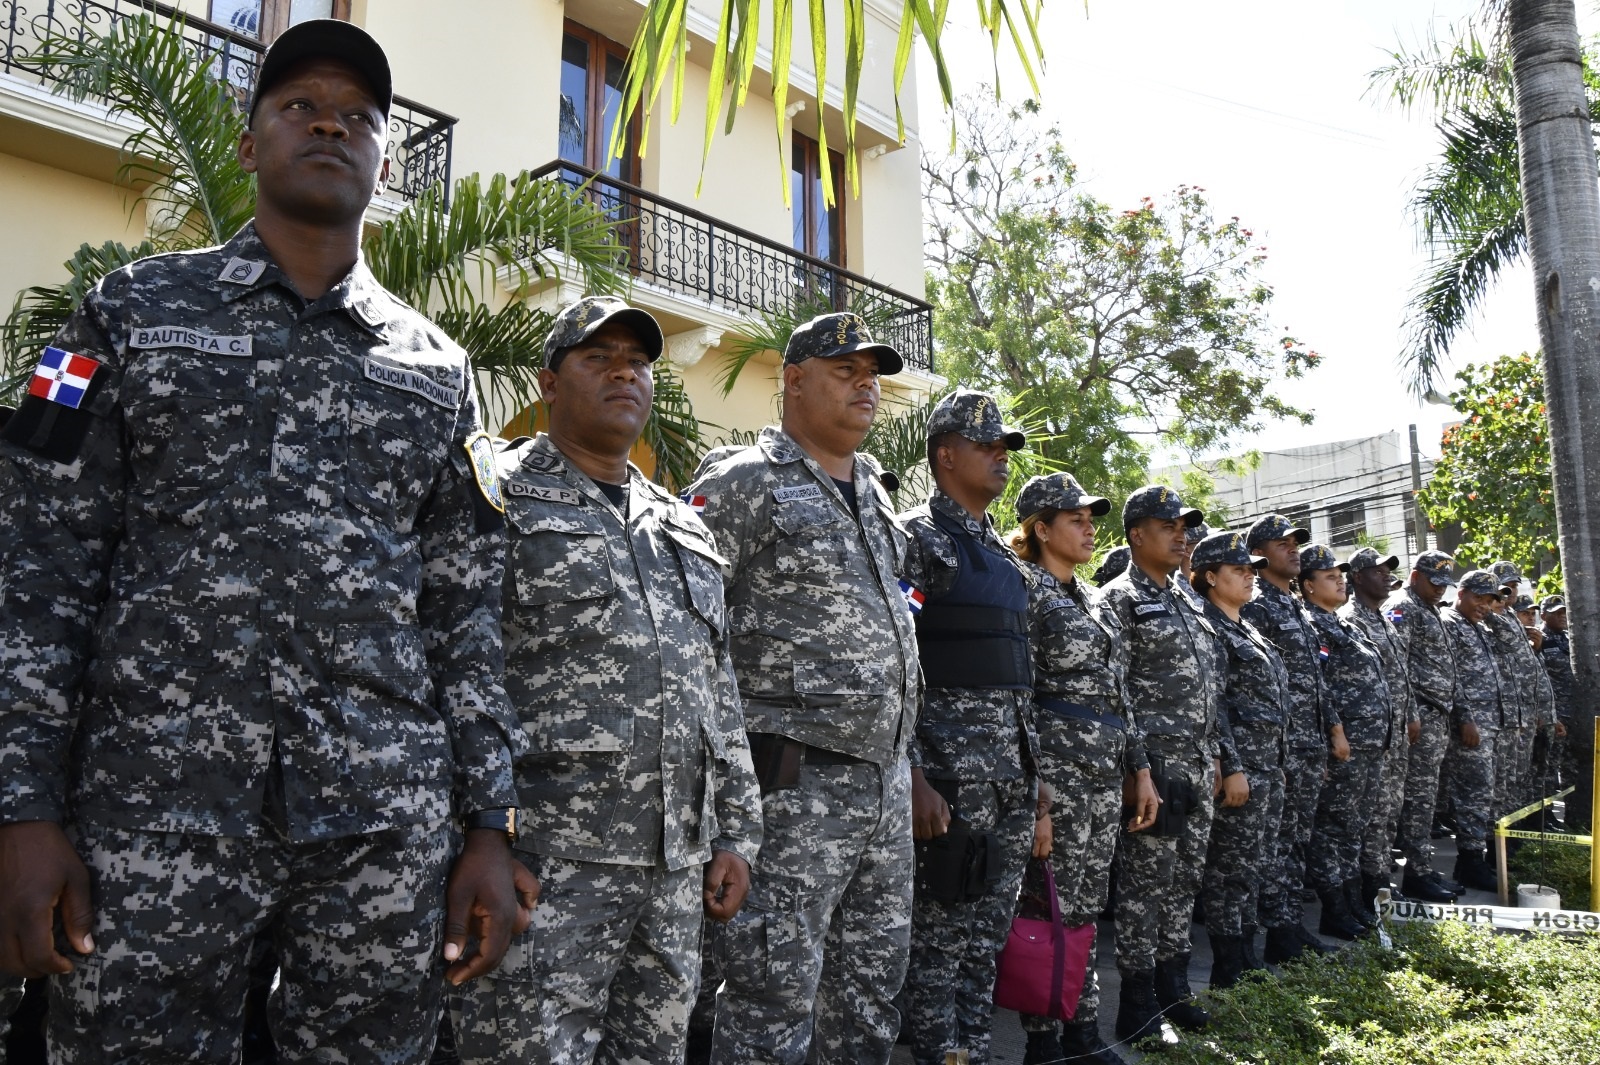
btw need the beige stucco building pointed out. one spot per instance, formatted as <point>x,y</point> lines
<point>512,85</point>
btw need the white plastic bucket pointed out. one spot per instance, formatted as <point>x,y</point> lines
<point>1538,897</point>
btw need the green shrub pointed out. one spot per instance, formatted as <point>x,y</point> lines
<point>1562,866</point>
<point>1446,994</point>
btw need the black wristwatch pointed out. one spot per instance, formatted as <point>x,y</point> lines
<point>501,819</point>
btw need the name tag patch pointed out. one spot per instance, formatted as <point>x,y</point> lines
<point>1150,610</point>
<point>539,491</point>
<point>412,381</point>
<point>178,336</point>
<point>797,493</point>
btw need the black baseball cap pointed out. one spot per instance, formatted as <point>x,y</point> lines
<point>335,39</point>
<point>827,336</point>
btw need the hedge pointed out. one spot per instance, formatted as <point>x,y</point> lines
<point>1446,994</point>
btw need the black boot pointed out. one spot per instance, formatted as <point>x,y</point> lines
<point>1283,945</point>
<point>1475,873</point>
<point>1426,886</point>
<point>1359,907</point>
<point>1081,1045</point>
<point>1043,1048</point>
<point>1174,996</point>
<point>1247,951</point>
<point>1136,1006</point>
<point>1337,920</point>
<point>1227,961</point>
<point>1312,944</point>
<point>1371,884</point>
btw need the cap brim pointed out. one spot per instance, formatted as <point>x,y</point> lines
<point>1192,517</point>
<point>1441,580</point>
<point>644,325</point>
<point>889,360</point>
<point>1562,609</point>
<point>1393,562</point>
<point>1098,507</point>
<point>1301,536</point>
<point>335,39</point>
<point>1258,561</point>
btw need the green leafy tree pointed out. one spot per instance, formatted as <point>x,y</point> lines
<point>183,165</point>
<point>1126,329</point>
<point>1493,475</point>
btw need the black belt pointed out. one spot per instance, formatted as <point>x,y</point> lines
<point>1062,708</point>
<point>823,756</point>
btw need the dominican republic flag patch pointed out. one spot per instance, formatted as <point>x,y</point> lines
<point>914,596</point>
<point>1322,653</point>
<point>62,377</point>
<point>1395,616</point>
<point>696,503</point>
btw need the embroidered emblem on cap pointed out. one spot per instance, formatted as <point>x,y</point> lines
<point>480,454</point>
<point>242,271</point>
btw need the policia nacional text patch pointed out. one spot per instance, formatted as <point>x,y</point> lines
<point>55,414</point>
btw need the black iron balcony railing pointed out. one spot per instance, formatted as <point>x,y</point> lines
<point>419,137</point>
<point>676,248</point>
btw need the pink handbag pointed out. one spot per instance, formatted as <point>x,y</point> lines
<point>1040,969</point>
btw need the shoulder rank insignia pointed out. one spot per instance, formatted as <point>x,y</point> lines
<point>480,453</point>
<point>239,271</point>
<point>62,377</point>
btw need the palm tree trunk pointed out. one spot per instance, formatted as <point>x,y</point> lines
<point>1561,198</point>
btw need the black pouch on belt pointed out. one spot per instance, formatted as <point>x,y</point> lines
<point>961,865</point>
<point>776,760</point>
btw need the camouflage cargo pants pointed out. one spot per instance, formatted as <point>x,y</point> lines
<point>1303,770</point>
<point>1343,813</point>
<point>606,972</point>
<point>950,979</point>
<point>1244,846</point>
<point>1158,877</point>
<point>1085,821</point>
<point>1424,766</point>
<point>357,923</point>
<point>819,950</point>
<point>11,988</point>
<point>1544,776</point>
<point>1377,843</point>
<point>1472,775</point>
<point>1513,769</point>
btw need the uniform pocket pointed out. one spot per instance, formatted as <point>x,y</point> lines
<point>579,729</point>
<point>393,731</point>
<point>183,411</point>
<point>394,453</point>
<point>812,536</point>
<point>556,565</point>
<point>702,576</point>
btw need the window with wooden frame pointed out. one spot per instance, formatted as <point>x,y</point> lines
<point>591,96</point>
<point>818,228</point>
<point>266,19</point>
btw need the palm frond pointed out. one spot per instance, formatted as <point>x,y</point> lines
<point>183,157</point>
<point>674,434</point>
<point>1447,295</point>
<point>1471,66</point>
<point>39,312</point>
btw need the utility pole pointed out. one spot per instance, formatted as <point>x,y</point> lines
<point>1418,518</point>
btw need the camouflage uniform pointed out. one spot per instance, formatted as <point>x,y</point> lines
<point>11,988</point>
<point>261,608</point>
<point>637,766</point>
<point>1358,695</point>
<point>1174,691</point>
<point>1079,664</point>
<point>1480,698</point>
<point>1283,620</point>
<point>1431,669</point>
<point>1530,693</point>
<point>1244,839</point>
<point>978,747</point>
<point>825,655</point>
<point>1377,853</point>
<point>1556,656</point>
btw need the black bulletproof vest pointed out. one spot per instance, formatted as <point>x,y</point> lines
<point>976,634</point>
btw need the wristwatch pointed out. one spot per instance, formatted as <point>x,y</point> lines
<point>501,819</point>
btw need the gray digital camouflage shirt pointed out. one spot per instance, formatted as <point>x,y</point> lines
<point>1528,693</point>
<point>267,563</point>
<point>1430,663</point>
<point>1381,633</point>
<point>1174,675</point>
<point>1283,620</point>
<point>964,733</point>
<point>1480,690</point>
<point>1353,681</point>
<point>618,670</point>
<point>1256,696</point>
<point>820,631</point>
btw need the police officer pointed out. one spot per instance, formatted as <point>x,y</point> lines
<point>1191,537</point>
<point>1431,669</point>
<point>1358,696</point>
<point>1281,617</point>
<point>1174,690</point>
<point>252,641</point>
<point>1114,565</point>
<point>1477,718</point>
<point>974,755</point>
<point>825,656</point>
<point>1521,666</point>
<point>1244,834</point>
<point>1370,576</point>
<point>1089,747</point>
<point>1555,652</point>
<point>639,805</point>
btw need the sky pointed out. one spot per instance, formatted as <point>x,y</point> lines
<point>1265,105</point>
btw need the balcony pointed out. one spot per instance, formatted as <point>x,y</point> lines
<point>419,137</point>
<point>677,249</point>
